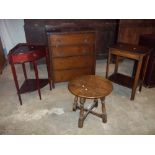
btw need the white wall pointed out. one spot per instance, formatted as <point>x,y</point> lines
<point>11,33</point>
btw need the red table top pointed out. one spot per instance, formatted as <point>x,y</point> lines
<point>24,52</point>
<point>26,48</point>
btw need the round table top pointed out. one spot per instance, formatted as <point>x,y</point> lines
<point>90,86</point>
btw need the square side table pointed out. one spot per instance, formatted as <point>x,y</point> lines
<point>134,52</point>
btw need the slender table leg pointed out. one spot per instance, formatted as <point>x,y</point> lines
<point>16,82</point>
<point>104,115</point>
<point>134,68</point>
<point>24,70</point>
<point>108,62</point>
<point>144,72</point>
<point>116,64</point>
<point>136,79</point>
<point>37,77</point>
<point>81,119</point>
<point>48,69</point>
<point>96,102</point>
<point>75,103</point>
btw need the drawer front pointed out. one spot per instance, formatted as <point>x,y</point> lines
<point>64,51</point>
<point>27,57</point>
<point>71,39</point>
<point>72,62</point>
<point>67,75</point>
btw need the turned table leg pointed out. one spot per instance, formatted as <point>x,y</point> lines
<point>104,115</point>
<point>75,103</point>
<point>81,119</point>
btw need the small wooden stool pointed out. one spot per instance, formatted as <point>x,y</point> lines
<point>90,87</point>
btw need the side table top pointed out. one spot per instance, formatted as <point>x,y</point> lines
<point>23,48</point>
<point>131,48</point>
<point>24,52</point>
<point>90,86</point>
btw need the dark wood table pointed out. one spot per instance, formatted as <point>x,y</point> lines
<point>90,87</point>
<point>23,53</point>
<point>140,54</point>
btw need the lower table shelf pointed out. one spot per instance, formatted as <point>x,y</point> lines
<point>30,85</point>
<point>121,79</point>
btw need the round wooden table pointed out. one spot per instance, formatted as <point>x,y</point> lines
<point>90,87</point>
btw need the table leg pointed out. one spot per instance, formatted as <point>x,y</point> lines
<point>136,79</point>
<point>24,70</point>
<point>104,115</point>
<point>116,64</point>
<point>96,102</point>
<point>16,82</point>
<point>134,68</point>
<point>81,119</point>
<point>37,77</point>
<point>108,62</point>
<point>75,103</point>
<point>48,69</point>
<point>144,72</point>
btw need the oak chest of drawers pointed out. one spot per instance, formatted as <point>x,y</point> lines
<point>71,54</point>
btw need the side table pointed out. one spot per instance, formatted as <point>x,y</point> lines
<point>90,87</point>
<point>134,52</point>
<point>21,54</point>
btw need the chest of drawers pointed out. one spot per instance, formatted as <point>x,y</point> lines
<point>71,54</point>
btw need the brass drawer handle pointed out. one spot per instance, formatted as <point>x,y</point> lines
<point>58,42</point>
<point>86,40</point>
<point>84,51</point>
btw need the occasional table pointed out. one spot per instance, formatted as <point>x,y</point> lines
<point>23,53</point>
<point>89,87</point>
<point>140,54</point>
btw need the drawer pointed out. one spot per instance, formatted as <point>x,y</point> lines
<point>71,39</point>
<point>72,62</point>
<point>67,75</point>
<point>62,51</point>
<point>28,56</point>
